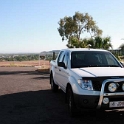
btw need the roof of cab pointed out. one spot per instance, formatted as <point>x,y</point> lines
<point>83,49</point>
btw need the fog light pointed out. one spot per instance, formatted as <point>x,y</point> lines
<point>123,87</point>
<point>112,87</point>
<point>105,100</point>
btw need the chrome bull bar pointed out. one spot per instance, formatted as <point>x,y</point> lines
<point>102,94</point>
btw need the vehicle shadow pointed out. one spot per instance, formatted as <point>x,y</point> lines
<point>31,107</point>
<point>46,107</point>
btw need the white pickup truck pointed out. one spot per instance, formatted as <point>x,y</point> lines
<point>90,78</point>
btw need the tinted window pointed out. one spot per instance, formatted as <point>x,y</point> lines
<point>61,56</point>
<point>65,60</point>
<point>93,59</point>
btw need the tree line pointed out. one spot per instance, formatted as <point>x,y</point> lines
<point>74,30</point>
<point>19,57</point>
<point>31,57</point>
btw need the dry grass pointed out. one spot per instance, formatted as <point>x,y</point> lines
<point>24,63</point>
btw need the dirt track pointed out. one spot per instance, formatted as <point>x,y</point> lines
<point>26,98</point>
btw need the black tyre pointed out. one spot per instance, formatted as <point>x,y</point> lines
<point>70,102</point>
<point>54,87</point>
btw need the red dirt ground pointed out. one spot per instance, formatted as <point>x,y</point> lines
<point>24,63</point>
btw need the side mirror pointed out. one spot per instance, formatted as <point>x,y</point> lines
<point>62,64</point>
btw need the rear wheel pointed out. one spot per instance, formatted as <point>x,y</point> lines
<point>54,87</point>
<point>71,104</point>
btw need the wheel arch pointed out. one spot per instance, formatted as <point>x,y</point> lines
<point>67,86</point>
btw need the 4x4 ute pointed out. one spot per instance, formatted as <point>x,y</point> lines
<point>90,78</point>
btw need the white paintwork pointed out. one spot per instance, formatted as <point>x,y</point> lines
<point>65,76</point>
<point>99,71</point>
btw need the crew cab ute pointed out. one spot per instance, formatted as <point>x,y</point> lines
<point>90,78</point>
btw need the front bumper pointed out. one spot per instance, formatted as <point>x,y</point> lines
<point>91,102</point>
<point>96,101</point>
<point>86,101</point>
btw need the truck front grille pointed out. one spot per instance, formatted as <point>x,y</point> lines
<point>97,83</point>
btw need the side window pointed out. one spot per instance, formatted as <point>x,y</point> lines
<point>60,58</point>
<point>65,60</point>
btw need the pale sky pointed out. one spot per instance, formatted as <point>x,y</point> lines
<point>31,25</point>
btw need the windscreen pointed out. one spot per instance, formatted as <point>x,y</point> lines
<point>80,59</point>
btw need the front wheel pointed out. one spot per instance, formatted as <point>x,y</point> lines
<point>71,104</point>
<point>54,87</point>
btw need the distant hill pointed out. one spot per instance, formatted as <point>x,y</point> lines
<point>49,52</point>
<point>23,54</point>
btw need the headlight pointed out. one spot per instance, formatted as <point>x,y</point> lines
<point>85,84</point>
<point>123,87</point>
<point>112,87</point>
